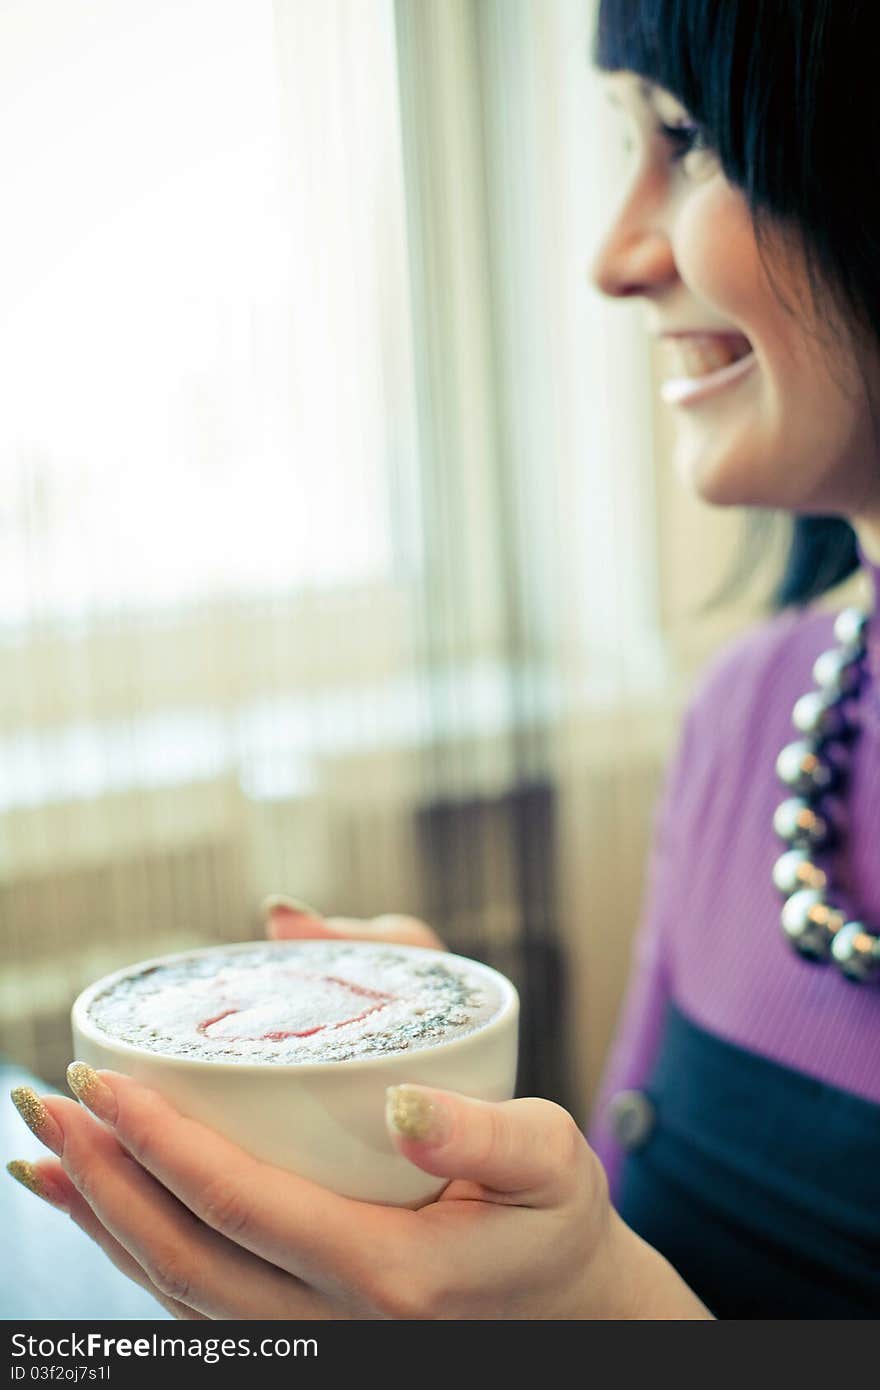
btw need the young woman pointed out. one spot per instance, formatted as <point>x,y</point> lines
<point>740,1122</point>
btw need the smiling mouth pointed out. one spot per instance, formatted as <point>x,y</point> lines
<point>699,365</point>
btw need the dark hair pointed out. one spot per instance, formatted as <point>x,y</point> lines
<point>785,93</point>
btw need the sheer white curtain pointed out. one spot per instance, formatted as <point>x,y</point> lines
<point>205,336</point>
<point>328,556</point>
<point>573,369</point>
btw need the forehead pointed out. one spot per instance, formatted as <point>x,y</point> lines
<point>634,93</point>
<point>625,86</point>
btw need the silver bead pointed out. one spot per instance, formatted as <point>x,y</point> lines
<point>810,923</point>
<point>814,714</point>
<point>800,767</point>
<point>857,952</point>
<point>837,672</point>
<point>802,827</point>
<point>795,870</point>
<point>849,627</point>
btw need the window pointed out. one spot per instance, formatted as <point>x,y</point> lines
<point>204,332</point>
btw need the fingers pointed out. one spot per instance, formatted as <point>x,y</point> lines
<point>227,1201</point>
<point>288,919</point>
<point>392,926</point>
<point>47,1179</point>
<point>214,1229</point>
<point>530,1151</point>
<point>184,1259</point>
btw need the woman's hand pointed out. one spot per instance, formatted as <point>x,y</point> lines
<point>288,919</point>
<point>524,1229</point>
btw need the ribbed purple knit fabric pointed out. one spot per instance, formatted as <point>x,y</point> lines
<point>711,939</point>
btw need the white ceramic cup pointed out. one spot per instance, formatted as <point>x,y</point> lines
<point>321,1120</point>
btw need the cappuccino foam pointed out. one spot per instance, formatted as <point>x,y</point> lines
<point>303,1001</point>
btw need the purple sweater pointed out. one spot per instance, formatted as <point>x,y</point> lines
<point>711,940</point>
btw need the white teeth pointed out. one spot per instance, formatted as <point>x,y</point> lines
<point>682,390</point>
<point>688,358</point>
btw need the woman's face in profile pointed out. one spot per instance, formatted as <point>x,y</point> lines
<point>770,409</point>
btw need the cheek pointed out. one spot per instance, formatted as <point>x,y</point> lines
<point>717,255</point>
<point>803,437</point>
<point>803,367</point>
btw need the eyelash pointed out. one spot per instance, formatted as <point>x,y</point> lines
<point>684,139</point>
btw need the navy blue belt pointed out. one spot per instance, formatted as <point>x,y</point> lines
<point>759,1184</point>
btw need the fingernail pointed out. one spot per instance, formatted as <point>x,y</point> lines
<point>37,1118</point>
<point>94,1093</point>
<point>277,902</point>
<point>30,1177</point>
<point>416,1114</point>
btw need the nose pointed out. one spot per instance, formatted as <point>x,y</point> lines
<point>636,258</point>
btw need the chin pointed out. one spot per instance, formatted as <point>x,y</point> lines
<point>719,479</point>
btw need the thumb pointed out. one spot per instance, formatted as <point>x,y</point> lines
<point>529,1147</point>
<point>291,919</point>
<point>393,927</point>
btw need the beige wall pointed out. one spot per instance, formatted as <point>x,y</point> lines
<point>697,548</point>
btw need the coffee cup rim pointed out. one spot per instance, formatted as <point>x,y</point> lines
<point>83,1024</point>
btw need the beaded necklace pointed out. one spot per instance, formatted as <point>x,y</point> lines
<point>811,768</point>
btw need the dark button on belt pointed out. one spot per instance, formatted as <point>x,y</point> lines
<point>631,1118</point>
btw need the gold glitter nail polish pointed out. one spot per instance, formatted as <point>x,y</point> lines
<point>416,1115</point>
<point>94,1093</point>
<point>37,1118</point>
<point>30,1177</point>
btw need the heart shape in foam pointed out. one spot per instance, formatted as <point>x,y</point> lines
<point>308,1004</point>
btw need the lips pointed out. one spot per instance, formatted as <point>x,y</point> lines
<point>700,364</point>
